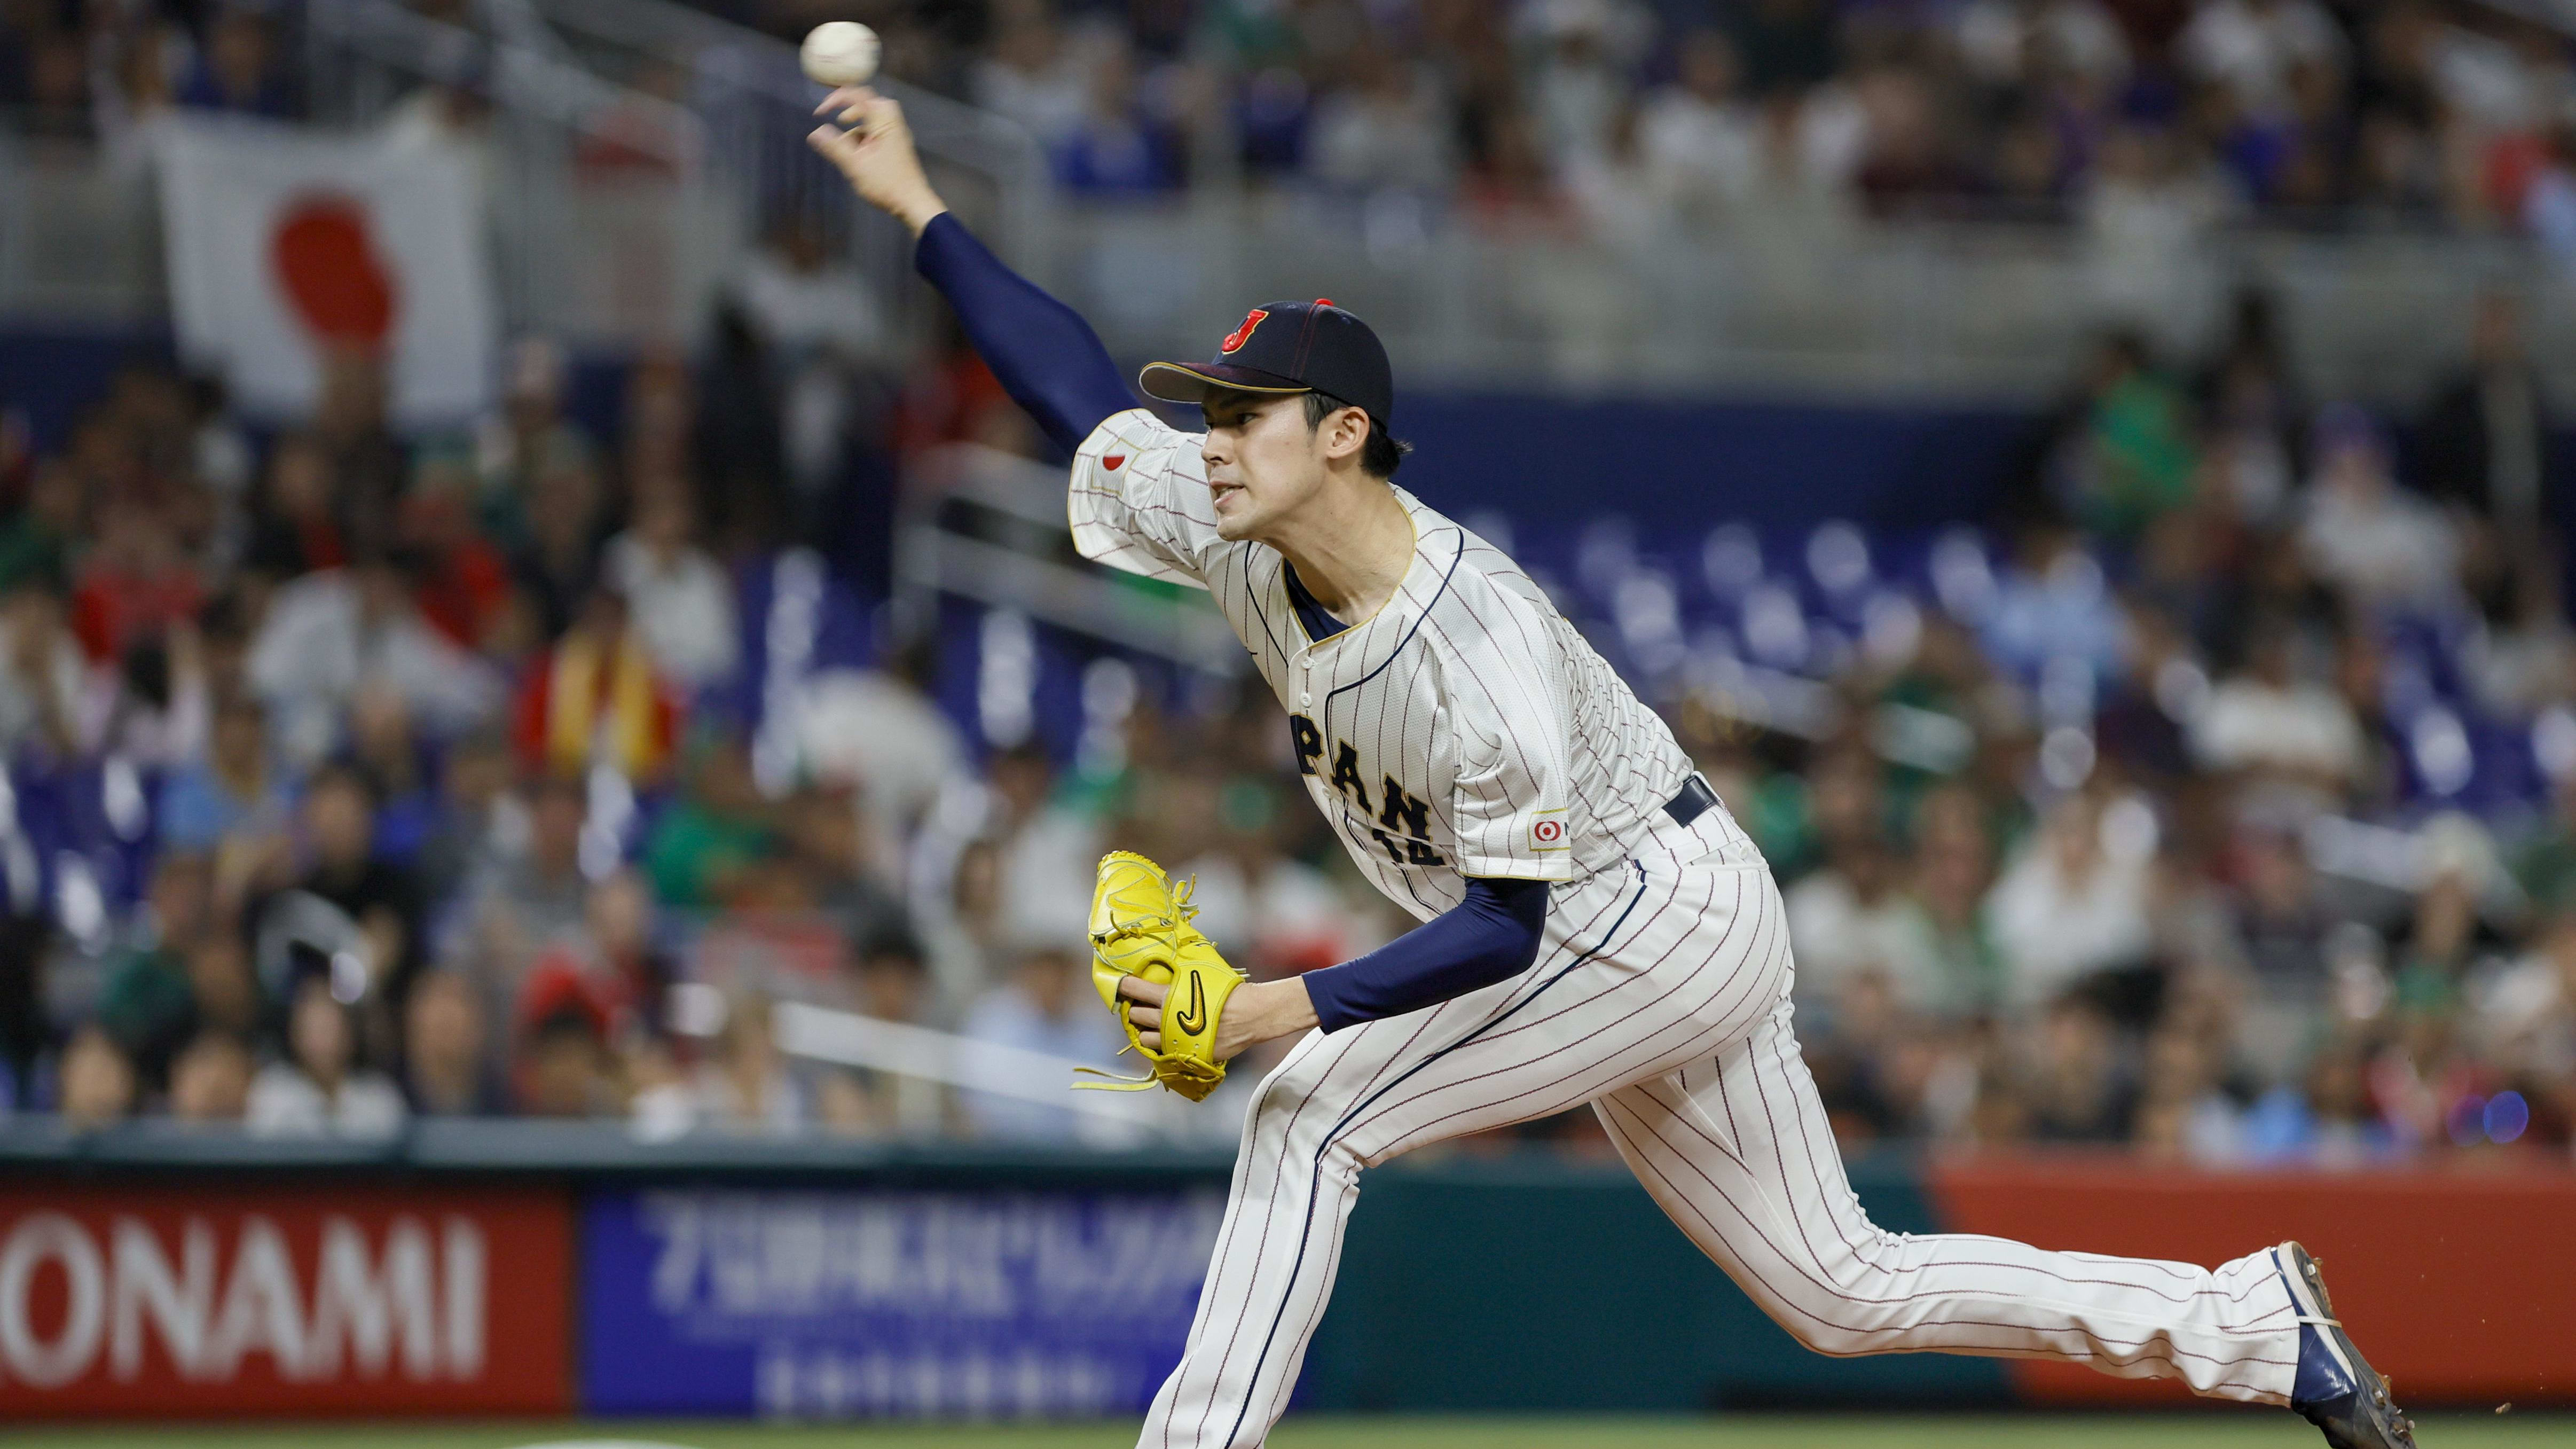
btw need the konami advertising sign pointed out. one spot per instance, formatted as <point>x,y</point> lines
<point>337,1298</point>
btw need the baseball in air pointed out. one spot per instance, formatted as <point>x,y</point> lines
<point>840,53</point>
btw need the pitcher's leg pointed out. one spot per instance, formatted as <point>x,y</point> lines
<point>1651,976</point>
<point>1276,1255</point>
<point>1738,1152</point>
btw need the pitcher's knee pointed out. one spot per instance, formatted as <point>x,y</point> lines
<point>1836,1317</point>
<point>1837,1336</point>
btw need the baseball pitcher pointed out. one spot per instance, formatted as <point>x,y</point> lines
<point>1595,928</point>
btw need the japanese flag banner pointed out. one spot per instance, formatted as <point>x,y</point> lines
<point>286,246</point>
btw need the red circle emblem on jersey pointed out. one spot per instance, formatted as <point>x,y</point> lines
<point>1548,832</point>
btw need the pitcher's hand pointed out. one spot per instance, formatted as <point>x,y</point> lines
<point>1257,1012</point>
<point>877,155</point>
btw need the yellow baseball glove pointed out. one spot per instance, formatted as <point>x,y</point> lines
<point>1140,926</point>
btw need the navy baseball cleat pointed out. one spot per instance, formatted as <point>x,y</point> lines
<point>2337,1390</point>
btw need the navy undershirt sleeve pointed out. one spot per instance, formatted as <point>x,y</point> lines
<point>1490,936</point>
<point>1045,356</point>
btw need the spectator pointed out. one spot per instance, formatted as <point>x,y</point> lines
<point>382,743</point>
<point>2182,1111</point>
<point>36,543</point>
<point>1118,148</point>
<point>529,435</point>
<point>478,825</point>
<point>824,331</point>
<point>681,601</point>
<point>1964,973</point>
<point>378,895</point>
<point>636,974</point>
<point>319,1087</point>
<point>2544,862</point>
<point>563,1064</point>
<point>1046,1006</point>
<point>239,70</point>
<point>703,846</point>
<point>1586,49</point>
<point>148,1008</point>
<point>2523,1017</point>
<point>222,989</point>
<point>2484,439</point>
<point>210,1079</point>
<point>153,708</point>
<point>2131,459</point>
<point>893,981</point>
<point>2145,207</point>
<point>2327,1120</point>
<point>2268,724</point>
<point>2254,48</point>
<point>2075,902</point>
<point>1383,130</point>
<point>595,698</point>
<point>42,677</point>
<point>1851,917</point>
<point>447,1070</point>
<point>1270,913</point>
<point>134,582</point>
<point>1046,848</point>
<point>746,1085</point>
<point>561,508</point>
<point>521,904</point>
<point>297,529</point>
<point>236,803</point>
<point>1702,143</point>
<point>464,580</point>
<point>2524,661</point>
<point>2378,543</point>
<point>330,633</point>
<point>96,1082</point>
<point>1030,73</point>
<point>879,730</point>
<point>2283,924</point>
<point>2081,1090</point>
<point>2054,605</point>
<point>837,876</point>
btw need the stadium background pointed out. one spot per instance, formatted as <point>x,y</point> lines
<point>554,740</point>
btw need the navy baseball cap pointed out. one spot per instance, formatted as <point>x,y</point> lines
<point>1288,347</point>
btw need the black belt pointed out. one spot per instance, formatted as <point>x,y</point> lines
<point>1693,802</point>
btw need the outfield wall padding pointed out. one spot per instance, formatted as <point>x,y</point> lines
<point>486,1268</point>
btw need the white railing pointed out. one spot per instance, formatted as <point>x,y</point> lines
<point>1820,304</point>
<point>963,1064</point>
<point>987,526</point>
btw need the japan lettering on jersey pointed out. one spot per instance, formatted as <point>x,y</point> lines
<point>1464,729</point>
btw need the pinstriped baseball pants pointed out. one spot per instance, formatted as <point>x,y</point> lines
<point>1661,996</point>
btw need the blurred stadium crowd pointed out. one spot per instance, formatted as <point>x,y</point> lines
<point>2137,117</point>
<point>1624,116</point>
<point>2219,799</point>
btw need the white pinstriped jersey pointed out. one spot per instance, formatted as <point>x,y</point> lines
<point>1465,729</point>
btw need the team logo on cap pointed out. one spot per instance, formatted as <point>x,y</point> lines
<point>1242,334</point>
